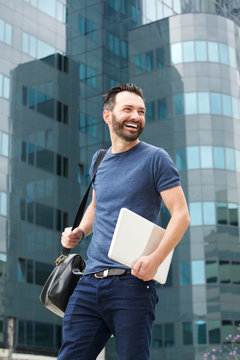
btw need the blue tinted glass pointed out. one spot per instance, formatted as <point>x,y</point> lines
<point>47,6</point>
<point>162,109</point>
<point>209,213</point>
<point>149,61</point>
<point>203,103</point>
<point>1,84</point>
<point>2,30</point>
<point>214,332</point>
<point>25,43</point>
<point>6,87</point>
<point>150,111</point>
<point>176,53</point>
<point>198,272</point>
<point>216,103</point>
<point>193,159</point>
<point>201,50</point>
<point>8,34</point>
<point>213,51</point>
<point>31,98</point>
<point>185,273</point>
<point>227,105</point>
<point>196,213</point>
<point>218,157</point>
<point>178,104</point>
<point>223,52</point>
<point>124,49</point>
<point>3,203</point>
<point>200,332</point>
<point>160,58</point>
<point>181,159</point>
<point>187,332</point>
<point>232,57</point>
<point>237,158</point>
<point>206,157</point>
<point>190,103</point>
<point>33,47</point>
<point>5,144</point>
<point>81,71</point>
<point>230,159</point>
<point>188,51</point>
<point>235,108</point>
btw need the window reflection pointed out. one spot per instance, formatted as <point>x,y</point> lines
<point>211,271</point>
<point>187,333</point>
<point>214,331</point>
<point>200,332</point>
<point>198,272</point>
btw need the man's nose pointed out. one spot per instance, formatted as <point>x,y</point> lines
<point>135,114</point>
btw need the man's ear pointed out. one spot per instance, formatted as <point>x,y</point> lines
<point>107,117</point>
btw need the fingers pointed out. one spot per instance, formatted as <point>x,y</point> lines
<point>71,238</point>
<point>136,270</point>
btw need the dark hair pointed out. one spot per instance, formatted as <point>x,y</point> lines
<point>109,97</point>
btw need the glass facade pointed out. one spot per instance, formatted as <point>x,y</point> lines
<point>57,59</point>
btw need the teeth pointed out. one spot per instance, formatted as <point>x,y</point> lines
<point>132,125</point>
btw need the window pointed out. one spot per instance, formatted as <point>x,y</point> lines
<point>160,58</point>
<point>190,103</point>
<point>181,159</point>
<point>211,271</point>
<point>3,269</point>
<point>195,213</point>
<point>213,51</point>
<point>44,215</point>
<point>91,126</point>
<point>176,53</point>
<point>198,272</point>
<point>206,157</point>
<point>200,332</point>
<point>227,105</point>
<point>222,213</point>
<point>4,86</point>
<point>203,103</point>
<point>235,108</point>
<point>144,62</point>
<point>214,331</point>
<point>169,335</point>
<point>201,50</point>
<point>185,273</point>
<point>162,109</point>
<point>187,333</point>
<point>150,111</point>
<point>178,102</point>
<point>233,214</point>
<point>2,329</point>
<point>224,271</point>
<point>232,57</point>
<point>42,272</point>
<point>193,158</point>
<point>3,203</point>
<point>157,336</point>
<point>44,159</point>
<point>216,104</point>
<point>209,217</point>
<point>227,329</point>
<point>80,174</point>
<point>5,32</point>
<point>230,159</point>
<point>236,272</point>
<point>188,51</point>
<point>4,144</point>
<point>218,157</point>
<point>223,54</point>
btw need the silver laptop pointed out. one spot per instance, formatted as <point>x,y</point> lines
<point>135,236</point>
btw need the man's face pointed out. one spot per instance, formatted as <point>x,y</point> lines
<point>128,116</point>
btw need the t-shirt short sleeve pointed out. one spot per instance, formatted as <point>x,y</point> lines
<point>165,172</point>
<point>94,159</point>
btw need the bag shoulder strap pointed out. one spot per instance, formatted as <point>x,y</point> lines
<point>83,203</point>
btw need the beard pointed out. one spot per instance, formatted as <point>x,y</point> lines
<point>125,134</point>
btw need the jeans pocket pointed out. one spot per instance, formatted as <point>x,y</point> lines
<point>132,281</point>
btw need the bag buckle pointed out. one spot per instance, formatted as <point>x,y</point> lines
<point>102,275</point>
<point>60,259</point>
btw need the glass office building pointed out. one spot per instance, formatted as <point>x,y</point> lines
<point>57,58</point>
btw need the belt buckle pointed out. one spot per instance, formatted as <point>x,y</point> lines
<point>103,275</point>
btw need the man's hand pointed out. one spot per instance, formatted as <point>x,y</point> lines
<point>145,267</point>
<point>71,238</point>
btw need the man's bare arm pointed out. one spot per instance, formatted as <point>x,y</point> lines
<point>146,266</point>
<point>71,238</point>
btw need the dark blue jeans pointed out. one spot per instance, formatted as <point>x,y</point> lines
<point>120,305</point>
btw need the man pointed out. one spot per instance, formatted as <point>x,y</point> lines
<point>135,175</point>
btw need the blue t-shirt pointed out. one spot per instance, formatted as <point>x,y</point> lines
<point>132,179</point>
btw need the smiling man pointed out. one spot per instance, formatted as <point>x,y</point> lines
<point>111,299</point>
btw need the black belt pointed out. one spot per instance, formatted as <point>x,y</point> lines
<point>111,272</point>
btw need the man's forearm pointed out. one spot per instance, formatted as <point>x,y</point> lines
<point>86,225</point>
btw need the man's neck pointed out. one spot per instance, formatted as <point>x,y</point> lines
<point>121,146</point>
